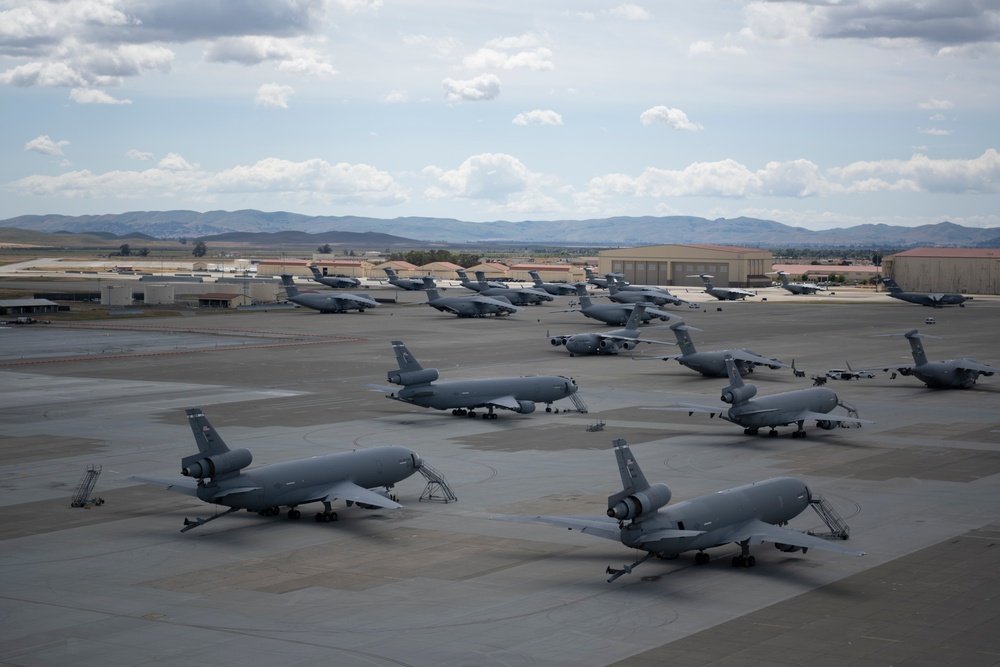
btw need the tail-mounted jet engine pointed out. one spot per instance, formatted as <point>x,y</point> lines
<point>423,376</point>
<point>200,466</point>
<point>641,502</point>
<point>738,394</point>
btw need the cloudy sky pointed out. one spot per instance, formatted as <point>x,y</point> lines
<point>819,113</point>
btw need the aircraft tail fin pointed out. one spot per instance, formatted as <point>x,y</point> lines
<point>633,479</point>
<point>684,341</point>
<point>481,276</point>
<point>389,271</point>
<point>890,284</point>
<point>637,499</point>
<point>635,317</point>
<point>410,371</point>
<point>315,271</point>
<point>406,361</point>
<point>916,347</point>
<point>535,277</point>
<point>214,459</point>
<point>581,293</point>
<point>290,289</point>
<point>784,278</point>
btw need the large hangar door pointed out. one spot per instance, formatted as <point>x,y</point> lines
<point>718,270</point>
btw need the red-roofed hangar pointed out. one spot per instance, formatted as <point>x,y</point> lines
<point>959,270</point>
<point>671,264</point>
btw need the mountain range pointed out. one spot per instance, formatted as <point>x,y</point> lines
<point>238,226</point>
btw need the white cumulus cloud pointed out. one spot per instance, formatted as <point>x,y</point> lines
<point>92,96</point>
<point>538,116</point>
<point>46,145</point>
<point>136,154</point>
<point>174,162</point>
<point>273,95</point>
<point>493,176</point>
<point>482,87</point>
<point>630,12</point>
<point>674,118</point>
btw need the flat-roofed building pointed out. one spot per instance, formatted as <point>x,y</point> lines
<point>671,264</point>
<point>962,270</point>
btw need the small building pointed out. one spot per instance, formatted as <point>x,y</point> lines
<point>947,270</point>
<point>116,295</point>
<point>222,300</point>
<point>27,306</point>
<point>821,272</point>
<point>158,295</point>
<point>402,269</point>
<point>549,273</point>
<point>493,270</point>
<point>675,264</point>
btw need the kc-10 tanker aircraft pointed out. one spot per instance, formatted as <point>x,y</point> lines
<point>216,475</point>
<point>463,397</point>
<point>745,515</point>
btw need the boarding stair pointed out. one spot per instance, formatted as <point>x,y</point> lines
<point>578,402</point>
<point>86,486</point>
<point>838,527</point>
<point>437,486</point>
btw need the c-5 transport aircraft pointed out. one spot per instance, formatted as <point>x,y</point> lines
<point>611,313</point>
<point>519,296</point>
<point>463,397</point>
<point>337,282</point>
<point>412,284</point>
<point>326,303</point>
<point>746,515</point>
<point>476,305</point>
<point>790,407</point>
<point>477,285</point>
<point>713,364</point>
<point>654,297</point>
<point>799,288</point>
<point>722,293</point>
<point>216,475</point>
<point>606,342</point>
<point>952,374</point>
<point>601,283</point>
<point>931,300</point>
<point>555,289</point>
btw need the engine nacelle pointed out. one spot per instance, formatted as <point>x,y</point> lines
<point>557,341</point>
<point>629,345</point>
<point>423,376</point>
<point>788,548</point>
<point>607,344</point>
<point>525,407</point>
<point>200,466</point>
<point>827,424</point>
<point>643,502</point>
<point>738,394</point>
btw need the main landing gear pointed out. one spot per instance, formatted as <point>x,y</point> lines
<point>744,559</point>
<point>327,515</point>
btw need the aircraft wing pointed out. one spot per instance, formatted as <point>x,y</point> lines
<point>592,525</point>
<point>359,300</point>
<point>886,368</point>
<point>487,301</point>
<point>970,365</point>
<point>758,531</point>
<point>692,408</point>
<point>347,490</point>
<point>743,355</point>
<point>506,402</point>
<point>636,339</point>
<point>828,416</point>
<point>186,486</point>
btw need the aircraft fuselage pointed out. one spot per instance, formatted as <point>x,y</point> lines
<point>452,394</point>
<point>292,483</point>
<point>944,374</point>
<point>781,409</point>
<point>773,501</point>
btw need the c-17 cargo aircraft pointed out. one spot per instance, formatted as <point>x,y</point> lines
<point>216,475</point>
<point>477,285</point>
<point>798,288</point>
<point>723,293</point>
<point>611,313</point>
<point>519,296</point>
<point>606,342</point>
<point>463,397</point>
<point>326,303</point>
<point>476,305</point>
<point>790,407</point>
<point>656,297</point>
<point>713,364</point>
<point>952,374</point>
<point>412,284</point>
<point>931,300</point>
<point>592,279</point>
<point>639,518</point>
<point>336,282</point>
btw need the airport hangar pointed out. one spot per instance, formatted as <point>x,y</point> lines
<point>934,270</point>
<point>672,264</point>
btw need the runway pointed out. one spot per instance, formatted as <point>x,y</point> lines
<point>443,584</point>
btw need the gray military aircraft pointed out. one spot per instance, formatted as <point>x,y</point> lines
<point>555,289</point>
<point>746,515</point>
<point>326,303</point>
<point>216,475</point>
<point>655,297</point>
<point>412,284</point>
<point>722,293</point>
<point>799,288</point>
<point>601,283</point>
<point>931,300</point>
<point>606,342</point>
<point>336,282</point>
<point>467,306</point>
<point>477,285</point>
<point>790,407</point>
<point>462,397</point>
<point>952,374</point>
<point>713,364</point>
<point>519,296</point>
<point>611,313</point>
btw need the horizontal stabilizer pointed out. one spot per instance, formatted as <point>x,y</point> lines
<point>185,486</point>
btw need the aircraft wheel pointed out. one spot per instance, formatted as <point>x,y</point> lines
<point>493,416</point>
<point>751,561</point>
<point>333,516</point>
<point>470,413</point>
<point>486,415</point>
<point>772,434</point>
<point>548,409</point>
<point>294,514</point>
<point>701,558</point>
<point>319,517</point>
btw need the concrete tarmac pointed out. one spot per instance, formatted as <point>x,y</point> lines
<point>441,583</point>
